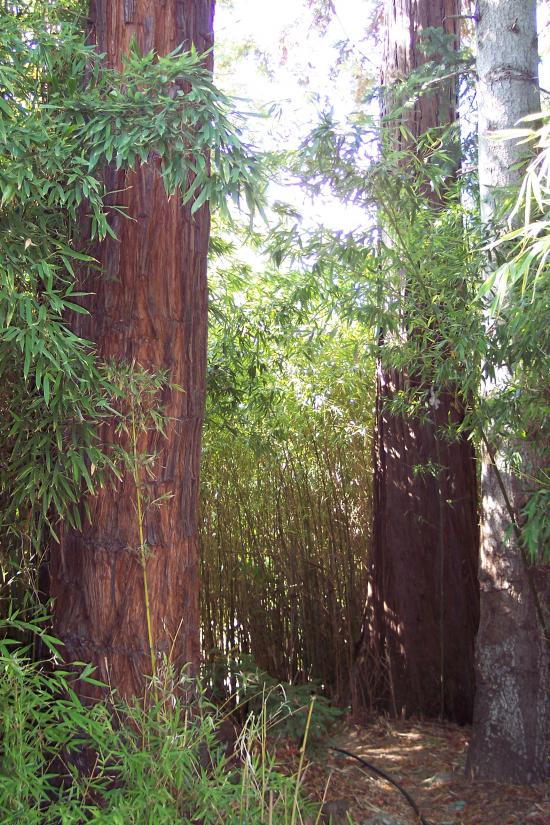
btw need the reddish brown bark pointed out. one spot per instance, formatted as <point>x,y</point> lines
<point>425,541</point>
<point>404,22</point>
<point>149,307</point>
<point>417,650</point>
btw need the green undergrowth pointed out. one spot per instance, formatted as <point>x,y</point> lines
<point>160,762</point>
<point>284,707</point>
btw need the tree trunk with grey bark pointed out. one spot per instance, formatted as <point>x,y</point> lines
<point>511,733</point>
<point>148,307</point>
<point>417,650</point>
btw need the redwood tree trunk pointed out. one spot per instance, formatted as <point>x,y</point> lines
<point>149,307</point>
<point>511,734</point>
<point>418,639</point>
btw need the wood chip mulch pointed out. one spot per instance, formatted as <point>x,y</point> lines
<point>427,759</point>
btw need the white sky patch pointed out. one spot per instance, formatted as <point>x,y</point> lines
<point>288,65</point>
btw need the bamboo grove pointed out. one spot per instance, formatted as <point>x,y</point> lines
<point>286,491</point>
<point>179,511</point>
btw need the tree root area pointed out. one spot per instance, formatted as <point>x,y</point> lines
<point>427,759</point>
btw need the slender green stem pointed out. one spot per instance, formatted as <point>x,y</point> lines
<point>143,558</point>
<point>301,762</point>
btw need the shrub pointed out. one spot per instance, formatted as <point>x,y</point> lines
<point>159,761</point>
<point>281,706</point>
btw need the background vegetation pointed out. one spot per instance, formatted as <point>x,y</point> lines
<point>296,318</point>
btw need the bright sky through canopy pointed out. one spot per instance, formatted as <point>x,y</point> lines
<point>287,58</point>
<point>273,54</point>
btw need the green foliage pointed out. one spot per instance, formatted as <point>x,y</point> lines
<point>526,243</point>
<point>422,284</point>
<point>285,706</point>
<point>415,271</point>
<point>162,763</point>
<point>517,302</point>
<point>285,502</point>
<point>63,117</point>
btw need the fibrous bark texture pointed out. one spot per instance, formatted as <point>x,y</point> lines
<point>424,562</point>
<point>417,651</point>
<point>511,734</point>
<point>149,307</point>
<point>404,23</point>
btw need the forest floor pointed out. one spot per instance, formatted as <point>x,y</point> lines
<point>427,759</point>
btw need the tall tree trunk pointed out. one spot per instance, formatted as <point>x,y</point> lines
<point>423,611</point>
<point>149,307</point>
<point>511,735</point>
